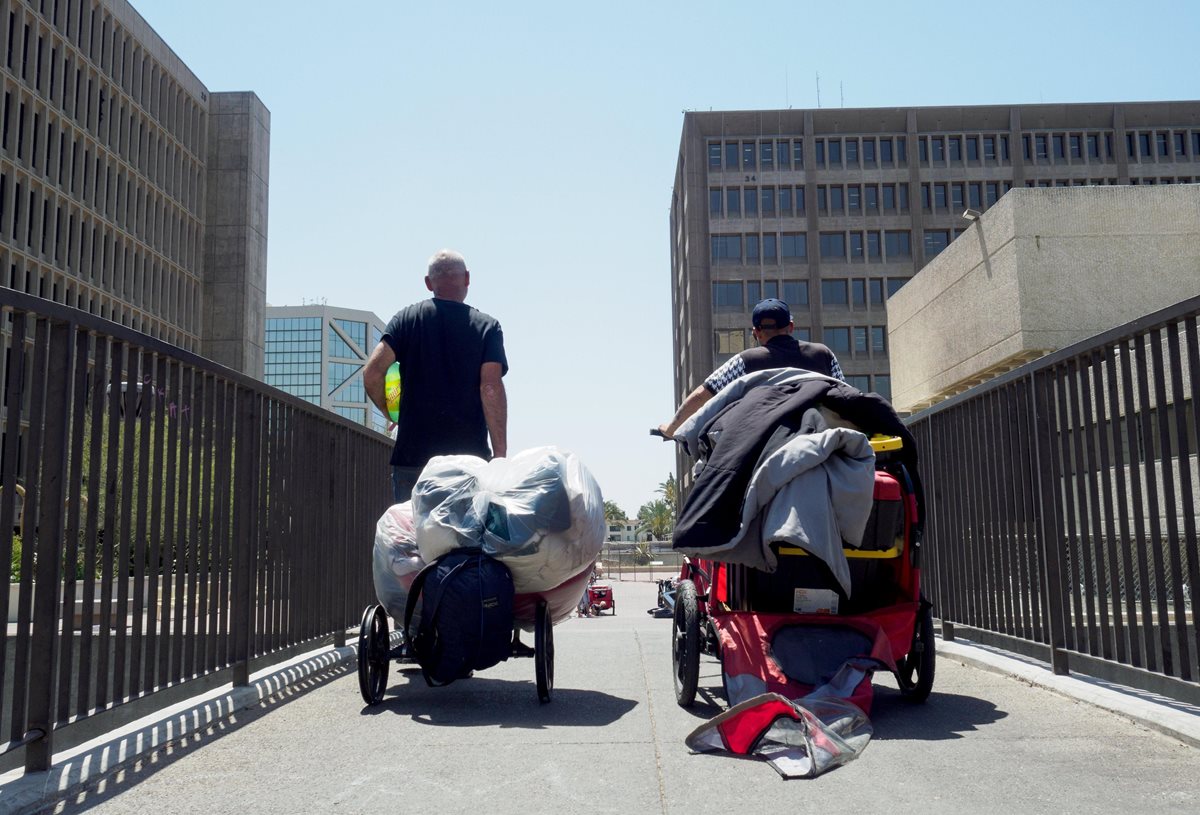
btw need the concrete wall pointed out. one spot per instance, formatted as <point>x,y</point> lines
<point>1042,269</point>
<point>235,242</point>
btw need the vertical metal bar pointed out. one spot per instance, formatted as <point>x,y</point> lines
<point>1086,499</point>
<point>990,490</point>
<point>1006,443</point>
<point>33,459</point>
<point>110,565</point>
<point>1070,502</point>
<point>142,486</point>
<point>1049,482</point>
<point>222,515</point>
<point>1104,381</point>
<point>1028,576</point>
<point>183,628</point>
<point>1135,582</point>
<point>49,535</point>
<point>77,400</point>
<point>975,535</point>
<point>1180,655</point>
<point>198,580</point>
<point>343,533</point>
<point>164,515</point>
<point>1159,623</point>
<point>14,400</point>
<point>206,547</point>
<point>125,544</point>
<point>155,422</point>
<point>261,540</point>
<point>1189,491</point>
<point>242,612</point>
<point>95,492</point>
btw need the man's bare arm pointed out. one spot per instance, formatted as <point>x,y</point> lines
<point>694,402</point>
<point>495,406</point>
<point>374,373</point>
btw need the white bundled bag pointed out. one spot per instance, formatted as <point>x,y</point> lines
<point>539,512</point>
<point>396,560</point>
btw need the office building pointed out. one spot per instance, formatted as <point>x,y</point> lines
<point>1042,270</point>
<point>318,352</point>
<point>833,210</point>
<point>127,189</point>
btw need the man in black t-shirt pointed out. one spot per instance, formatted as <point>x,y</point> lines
<point>777,348</point>
<point>451,367</point>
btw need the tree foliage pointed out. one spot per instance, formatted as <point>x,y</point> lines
<point>656,518</point>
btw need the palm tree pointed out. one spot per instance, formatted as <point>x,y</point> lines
<point>657,518</point>
<point>613,514</point>
<point>669,490</point>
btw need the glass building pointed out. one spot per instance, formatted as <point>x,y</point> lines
<point>317,353</point>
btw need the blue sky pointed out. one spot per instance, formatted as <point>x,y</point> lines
<point>540,140</point>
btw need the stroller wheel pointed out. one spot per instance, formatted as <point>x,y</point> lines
<point>543,656</point>
<point>373,655</point>
<point>915,672</point>
<point>685,647</point>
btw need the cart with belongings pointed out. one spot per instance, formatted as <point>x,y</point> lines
<point>801,534</point>
<point>482,548</point>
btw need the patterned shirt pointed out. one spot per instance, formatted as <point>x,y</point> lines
<point>782,351</point>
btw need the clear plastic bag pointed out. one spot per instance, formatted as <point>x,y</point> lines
<point>396,560</point>
<point>539,512</point>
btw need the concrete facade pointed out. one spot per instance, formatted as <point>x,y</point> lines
<point>317,353</point>
<point>126,189</point>
<point>839,208</point>
<point>1044,268</point>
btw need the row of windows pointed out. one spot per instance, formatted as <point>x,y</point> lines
<point>877,245</point>
<point>957,196</point>
<point>27,275</point>
<point>295,324</point>
<point>307,348</point>
<point>858,199</point>
<point>79,39</point>
<point>851,342</point>
<point>52,224</point>
<point>288,379</point>
<point>788,153</point>
<point>43,224</point>
<point>356,331</point>
<point>854,293</point>
<point>733,202</point>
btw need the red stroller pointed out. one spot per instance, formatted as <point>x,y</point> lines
<point>743,616</point>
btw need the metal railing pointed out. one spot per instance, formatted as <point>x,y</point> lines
<point>1062,506</point>
<point>183,525</point>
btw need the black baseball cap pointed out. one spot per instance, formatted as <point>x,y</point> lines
<point>771,309</point>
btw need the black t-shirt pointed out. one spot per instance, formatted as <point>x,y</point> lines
<point>440,345</point>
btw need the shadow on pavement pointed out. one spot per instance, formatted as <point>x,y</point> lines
<point>480,701</point>
<point>942,716</point>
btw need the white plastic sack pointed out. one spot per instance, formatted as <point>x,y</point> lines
<point>539,512</point>
<point>396,560</point>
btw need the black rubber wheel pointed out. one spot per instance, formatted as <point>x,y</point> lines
<point>373,655</point>
<point>915,671</point>
<point>543,651</point>
<point>685,646</point>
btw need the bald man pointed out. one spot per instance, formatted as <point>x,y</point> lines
<point>451,367</point>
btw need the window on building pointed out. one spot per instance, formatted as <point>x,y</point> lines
<point>885,151</point>
<point>785,201</point>
<point>714,155</point>
<point>1180,145</point>
<point>875,289</point>
<point>751,248</point>
<point>858,292</point>
<point>894,284</point>
<point>936,240</point>
<point>868,152</point>
<point>863,383</point>
<point>993,192</point>
<point>873,247</point>
<point>975,195</point>
<point>1093,146</point>
<point>714,203</point>
<point>822,199</point>
<point>729,341</point>
<point>939,196</point>
<point>836,206</point>
<point>923,149</point>
<point>854,199</point>
<point>748,155</point>
<point>1076,146</point>
<point>955,143</point>
<point>883,386</point>
<point>871,198</point>
<point>835,293</point>
<point>769,253</point>
<point>838,339</point>
<point>852,152</point>
<point>1060,151</point>
<point>1004,148</point>
<point>856,247</point>
<point>766,155</point>
<point>956,197</point>
<point>889,198</point>
<point>768,202</point>
<point>731,155</point>
<point>726,248</point>
<point>794,246</point>
<point>972,148</point>
<point>860,341</point>
<point>727,297</point>
<point>1144,145</point>
<point>783,154</point>
<point>1161,142</point>
<point>902,196</point>
<point>758,291</point>
<point>751,199</point>
<point>878,340</point>
<point>901,150</point>
<point>833,246</point>
<point>798,153</point>
<point>1041,148</point>
<point>795,293</point>
<point>937,150</point>
<point>835,152</point>
<point>799,200</point>
<point>897,244</point>
<point>803,333</point>
<point>989,148</point>
<point>820,150</point>
<point>733,202</point>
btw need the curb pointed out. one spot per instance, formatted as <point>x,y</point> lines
<point>76,769</point>
<point>1167,716</point>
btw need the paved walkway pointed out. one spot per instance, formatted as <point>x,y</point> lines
<point>612,741</point>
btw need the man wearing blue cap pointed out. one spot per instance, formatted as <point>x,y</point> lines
<point>777,348</point>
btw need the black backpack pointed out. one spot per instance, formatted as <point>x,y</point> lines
<point>466,620</point>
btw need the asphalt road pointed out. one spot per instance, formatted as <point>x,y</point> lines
<point>612,742</point>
